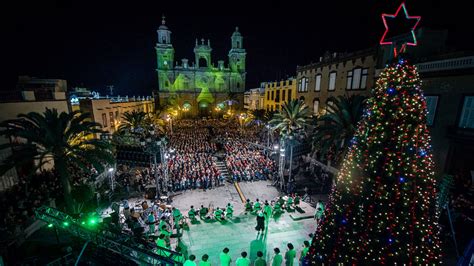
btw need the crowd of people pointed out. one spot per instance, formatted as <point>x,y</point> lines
<point>18,203</point>
<point>193,162</point>
<point>247,163</point>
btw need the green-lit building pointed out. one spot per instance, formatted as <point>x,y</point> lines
<point>200,85</point>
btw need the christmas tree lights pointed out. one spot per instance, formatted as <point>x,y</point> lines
<point>383,209</point>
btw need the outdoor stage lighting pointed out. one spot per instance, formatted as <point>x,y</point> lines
<point>111,170</point>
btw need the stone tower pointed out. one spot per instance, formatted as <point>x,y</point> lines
<point>165,54</point>
<point>237,62</point>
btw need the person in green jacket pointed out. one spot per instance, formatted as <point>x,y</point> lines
<point>260,261</point>
<point>229,211</point>
<point>243,261</point>
<point>218,214</point>
<point>192,214</point>
<point>304,251</point>
<point>297,200</point>
<point>289,204</point>
<point>267,209</point>
<point>160,241</point>
<point>204,260</point>
<point>277,209</point>
<point>225,258</point>
<point>290,255</point>
<point>281,201</point>
<point>257,206</point>
<point>248,206</point>
<point>277,258</point>
<point>190,261</point>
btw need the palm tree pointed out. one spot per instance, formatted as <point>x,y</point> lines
<point>291,122</point>
<point>292,119</point>
<point>133,122</point>
<point>59,138</point>
<point>255,117</point>
<point>336,128</point>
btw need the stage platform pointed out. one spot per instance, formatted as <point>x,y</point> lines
<point>238,234</point>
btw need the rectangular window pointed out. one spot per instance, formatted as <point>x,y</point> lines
<point>111,117</point>
<point>300,83</point>
<point>117,115</point>
<point>363,81</point>
<point>332,81</point>
<point>305,88</point>
<point>289,95</point>
<point>349,80</point>
<point>316,107</point>
<point>431,105</point>
<point>104,120</point>
<point>467,114</point>
<point>268,96</point>
<point>356,78</point>
<point>277,96</point>
<point>273,96</point>
<point>317,83</point>
<point>283,95</point>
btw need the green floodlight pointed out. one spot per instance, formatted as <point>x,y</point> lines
<point>50,225</point>
<point>92,221</point>
<point>65,224</point>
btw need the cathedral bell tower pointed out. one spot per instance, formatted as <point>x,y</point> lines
<point>164,57</point>
<point>164,48</point>
<point>237,62</point>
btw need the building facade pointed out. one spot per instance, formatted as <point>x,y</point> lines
<point>334,75</point>
<point>254,98</point>
<point>108,111</point>
<point>31,95</point>
<point>200,85</point>
<point>448,85</point>
<point>278,93</point>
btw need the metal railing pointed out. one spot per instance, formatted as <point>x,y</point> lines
<point>447,64</point>
<point>162,256</point>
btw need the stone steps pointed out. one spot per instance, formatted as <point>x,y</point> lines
<point>223,169</point>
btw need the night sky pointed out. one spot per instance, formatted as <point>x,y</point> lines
<point>112,43</point>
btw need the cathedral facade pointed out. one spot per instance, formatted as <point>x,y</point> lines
<point>199,86</point>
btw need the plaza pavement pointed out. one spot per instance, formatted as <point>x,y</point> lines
<point>239,233</point>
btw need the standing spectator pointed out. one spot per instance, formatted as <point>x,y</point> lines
<point>190,261</point>
<point>277,258</point>
<point>290,255</point>
<point>225,258</point>
<point>260,261</point>
<point>243,261</point>
<point>204,260</point>
<point>260,223</point>
<point>304,251</point>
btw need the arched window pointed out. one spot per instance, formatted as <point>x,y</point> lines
<point>238,44</point>
<point>238,85</point>
<point>167,84</point>
<point>202,62</point>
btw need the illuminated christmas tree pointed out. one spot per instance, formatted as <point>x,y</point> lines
<point>383,209</point>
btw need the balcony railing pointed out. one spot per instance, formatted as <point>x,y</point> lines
<point>448,64</point>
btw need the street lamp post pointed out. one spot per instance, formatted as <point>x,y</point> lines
<point>152,145</point>
<point>281,167</point>
<point>170,120</point>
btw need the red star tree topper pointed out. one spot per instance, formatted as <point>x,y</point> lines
<point>412,21</point>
